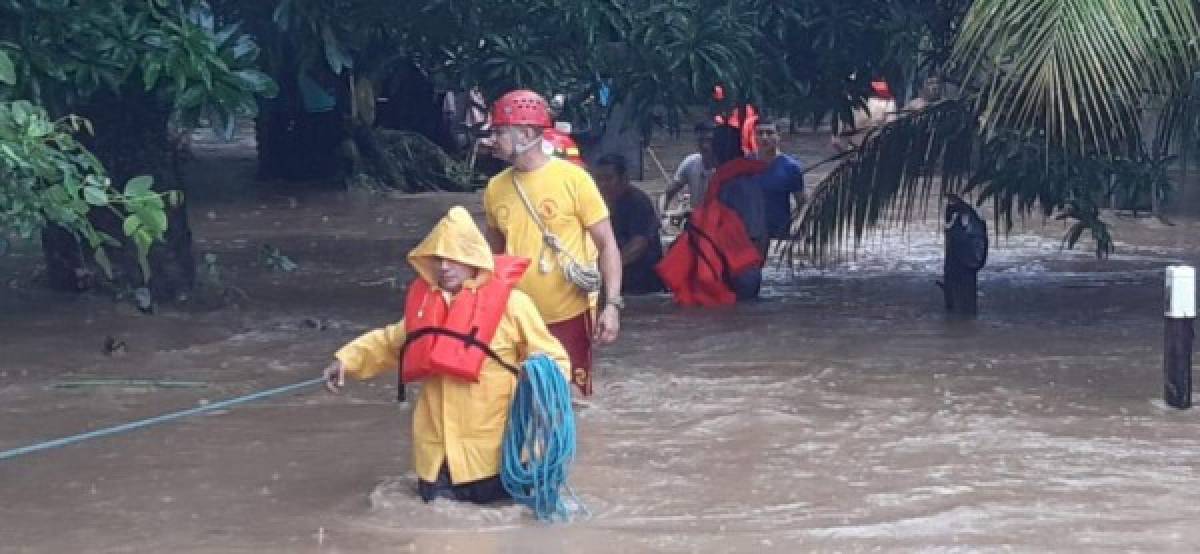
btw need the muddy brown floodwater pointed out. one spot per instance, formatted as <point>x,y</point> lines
<point>842,412</point>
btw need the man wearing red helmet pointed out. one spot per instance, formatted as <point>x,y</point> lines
<point>550,211</point>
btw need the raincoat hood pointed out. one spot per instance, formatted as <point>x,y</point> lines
<point>457,238</point>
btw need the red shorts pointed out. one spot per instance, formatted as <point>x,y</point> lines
<point>575,334</point>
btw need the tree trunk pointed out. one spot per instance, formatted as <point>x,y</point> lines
<point>131,139</point>
<point>620,135</point>
<point>375,159</point>
<point>271,130</point>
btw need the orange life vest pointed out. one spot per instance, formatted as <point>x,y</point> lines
<point>745,118</point>
<point>454,339</point>
<point>713,247</point>
<point>563,145</point>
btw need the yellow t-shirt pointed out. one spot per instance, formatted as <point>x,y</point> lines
<point>568,202</point>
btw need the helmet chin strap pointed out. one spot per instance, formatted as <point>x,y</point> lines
<point>523,147</point>
<point>531,145</point>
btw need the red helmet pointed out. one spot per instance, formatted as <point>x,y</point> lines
<point>521,107</point>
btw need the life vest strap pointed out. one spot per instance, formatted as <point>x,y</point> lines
<point>693,233</point>
<point>468,339</point>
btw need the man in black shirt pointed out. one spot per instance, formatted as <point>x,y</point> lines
<point>635,224</point>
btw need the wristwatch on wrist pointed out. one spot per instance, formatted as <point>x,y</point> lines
<point>617,302</point>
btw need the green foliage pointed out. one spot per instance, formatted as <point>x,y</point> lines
<point>889,179</point>
<point>8,74</point>
<point>66,52</point>
<point>57,56</point>
<point>46,176</point>
<point>663,56</point>
<point>206,73</point>
<point>1049,122</point>
<point>816,58</point>
<point>1077,70</point>
<point>675,52</point>
<point>904,165</point>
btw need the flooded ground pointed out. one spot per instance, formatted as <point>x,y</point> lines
<point>843,412</point>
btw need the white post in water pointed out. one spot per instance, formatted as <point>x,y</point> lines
<point>1180,314</point>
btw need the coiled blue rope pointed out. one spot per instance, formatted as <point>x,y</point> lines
<point>539,443</point>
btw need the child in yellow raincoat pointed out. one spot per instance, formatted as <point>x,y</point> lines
<point>468,373</point>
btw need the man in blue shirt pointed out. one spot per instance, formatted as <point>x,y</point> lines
<point>783,181</point>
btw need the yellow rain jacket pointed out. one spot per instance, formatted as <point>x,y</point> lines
<point>455,421</point>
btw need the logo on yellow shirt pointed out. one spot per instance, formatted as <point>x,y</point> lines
<point>501,216</point>
<point>582,378</point>
<point>548,209</point>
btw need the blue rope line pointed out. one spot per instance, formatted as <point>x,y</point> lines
<point>155,420</point>
<point>539,442</point>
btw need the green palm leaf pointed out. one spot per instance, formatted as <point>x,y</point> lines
<point>1077,69</point>
<point>1053,100</point>
<point>892,176</point>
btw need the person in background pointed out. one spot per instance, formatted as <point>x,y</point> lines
<point>635,225</point>
<point>931,91</point>
<point>880,110</point>
<point>695,169</point>
<point>719,257</point>
<point>782,182</point>
<point>742,193</point>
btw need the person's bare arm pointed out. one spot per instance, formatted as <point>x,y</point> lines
<point>676,183</point>
<point>608,324</point>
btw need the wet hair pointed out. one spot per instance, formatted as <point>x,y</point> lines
<point>615,161</point>
<point>727,143</point>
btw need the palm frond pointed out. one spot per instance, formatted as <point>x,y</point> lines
<point>1077,69</point>
<point>891,176</point>
<point>1050,123</point>
<point>904,165</point>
